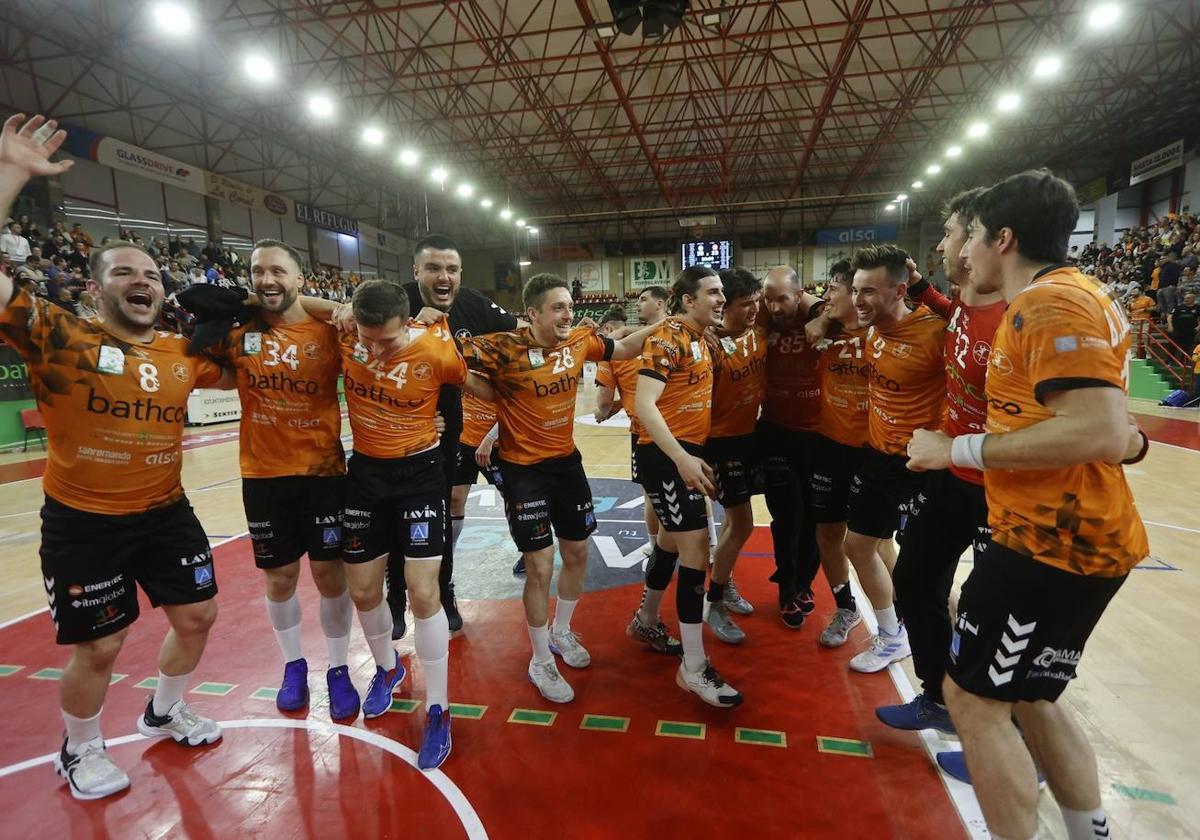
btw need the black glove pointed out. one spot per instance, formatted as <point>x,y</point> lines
<point>216,311</point>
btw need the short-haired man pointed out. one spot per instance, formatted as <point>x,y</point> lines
<point>113,392</point>
<point>535,372</point>
<point>14,243</point>
<point>1065,530</point>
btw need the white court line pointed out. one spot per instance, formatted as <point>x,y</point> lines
<point>453,795</point>
<point>1172,527</point>
<point>21,618</point>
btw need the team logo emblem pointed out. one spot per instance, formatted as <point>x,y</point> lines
<point>462,333</point>
<point>180,370</point>
<point>312,350</point>
<point>536,359</point>
<point>423,371</point>
<point>418,532</point>
<point>902,350</point>
<point>360,354</point>
<point>980,352</point>
<point>252,343</point>
<point>204,575</point>
<point>1000,361</point>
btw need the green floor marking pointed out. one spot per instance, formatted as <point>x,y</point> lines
<point>47,674</point>
<point>405,706</point>
<point>113,679</point>
<point>1147,795</point>
<point>9,670</point>
<point>150,683</point>
<point>605,723</point>
<point>679,729</point>
<point>764,737</point>
<point>216,689</point>
<point>466,710</point>
<point>533,717</point>
<point>265,693</point>
<point>844,746</point>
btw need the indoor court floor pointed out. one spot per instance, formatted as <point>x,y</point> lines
<point>633,756</point>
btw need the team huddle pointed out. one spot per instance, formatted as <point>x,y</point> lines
<point>883,414</point>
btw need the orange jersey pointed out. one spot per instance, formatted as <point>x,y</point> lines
<point>535,388</point>
<point>793,397</point>
<point>478,418</point>
<point>678,355</point>
<point>393,403</point>
<point>907,379</point>
<point>845,398</point>
<point>740,379</point>
<point>114,411</point>
<point>1139,308</point>
<point>622,376</point>
<point>1063,331</point>
<point>287,382</point>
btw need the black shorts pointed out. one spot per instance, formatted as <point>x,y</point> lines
<point>679,508</point>
<point>1022,626</point>
<point>90,562</point>
<point>394,506</point>
<point>881,494</point>
<point>546,499</point>
<point>293,515</point>
<point>467,470</point>
<point>833,467</point>
<point>633,464</point>
<point>735,465</point>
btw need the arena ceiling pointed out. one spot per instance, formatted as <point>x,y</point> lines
<point>777,118</point>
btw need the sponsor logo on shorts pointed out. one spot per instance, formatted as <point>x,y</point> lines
<point>107,616</point>
<point>418,532</point>
<point>331,537</point>
<point>100,601</point>
<point>426,513</point>
<point>589,520</point>
<point>195,559</point>
<point>204,575</point>
<point>1052,656</point>
<point>536,503</point>
<point>354,544</point>
<point>327,520</point>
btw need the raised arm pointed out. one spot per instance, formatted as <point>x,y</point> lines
<point>630,346</point>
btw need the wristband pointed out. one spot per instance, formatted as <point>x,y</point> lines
<point>916,289</point>
<point>967,451</point>
<point>815,310</point>
<point>1141,454</point>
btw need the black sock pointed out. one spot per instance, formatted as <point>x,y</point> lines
<point>844,596</point>
<point>689,595</point>
<point>660,568</point>
<point>716,591</point>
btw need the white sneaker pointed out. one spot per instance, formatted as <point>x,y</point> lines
<point>566,644</point>
<point>549,682</point>
<point>882,652</point>
<point>90,773</point>
<point>839,627</point>
<point>708,686</point>
<point>181,725</point>
<point>734,600</point>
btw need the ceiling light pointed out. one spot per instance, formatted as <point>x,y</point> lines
<point>258,68</point>
<point>1104,16</point>
<point>918,184</point>
<point>1047,67</point>
<point>172,19</point>
<point>372,135</point>
<point>976,130</point>
<point>932,169</point>
<point>523,262</point>
<point>890,208</point>
<point>439,174</point>
<point>1008,102</point>
<point>902,197</point>
<point>519,223</point>
<point>954,151</point>
<point>506,214</point>
<point>320,105</point>
<point>408,157</point>
<point>486,203</point>
<point>465,190</point>
<point>533,231</point>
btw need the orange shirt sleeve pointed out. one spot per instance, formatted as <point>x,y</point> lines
<point>660,354</point>
<point>25,322</point>
<point>604,375</point>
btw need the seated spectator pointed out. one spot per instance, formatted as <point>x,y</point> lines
<point>78,234</point>
<point>1182,321</point>
<point>65,299</point>
<point>86,306</point>
<point>1141,306</point>
<point>78,258</point>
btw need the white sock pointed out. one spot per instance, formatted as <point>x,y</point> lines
<point>539,637</point>
<point>377,627</point>
<point>651,601</point>
<point>563,610</point>
<point>888,623</point>
<point>1085,825</point>
<point>168,692</point>
<point>692,636</point>
<point>285,620</point>
<point>432,639</point>
<point>80,730</point>
<point>456,526</point>
<point>336,616</point>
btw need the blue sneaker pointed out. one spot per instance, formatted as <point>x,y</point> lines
<point>954,764</point>
<point>435,746</point>
<point>919,713</point>
<point>343,696</point>
<point>293,693</point>
<point>379,695</point>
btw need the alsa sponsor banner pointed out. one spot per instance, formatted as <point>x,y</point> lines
<point>244,195</point>
<point>381,240</point>
<point>130,158</point>
<point>855,235</point>
<point>1156,163</point>
<point>309,215</point>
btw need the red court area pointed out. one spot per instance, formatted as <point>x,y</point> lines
<point>299,776</point>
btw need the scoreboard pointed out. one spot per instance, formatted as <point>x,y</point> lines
<point>716,254</point>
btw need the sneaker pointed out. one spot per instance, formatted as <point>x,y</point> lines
<point>919,713</point>
<point>954,764</point>
<point>734,601</point>
<point>838,630</point>
<point>549,682</point>
<point>90,773</point>
<point>716,616</point>
<point>293,692</point>
<point>398,603</point>
<point>566,644</point>
<point>435,746</point>
<point>806,601</point>
<point>882,652</point>
<point>453,617</point>
<point>343,696</point>
<point>180,724</point>
<point>708,686</point>
<point>792,615</point>
<point>656,638</point>
<point>519,567</point>
<point>379,694</point>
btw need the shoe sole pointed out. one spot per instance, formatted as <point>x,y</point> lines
<point>156,732</point>
<point>736,701</point>
<point>545,696</point>
<point>882,667</point>
<point>76,793</point>
<point>938,729</point>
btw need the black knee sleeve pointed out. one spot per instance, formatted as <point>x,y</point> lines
<point>660,568</point>
<point>689,595</point>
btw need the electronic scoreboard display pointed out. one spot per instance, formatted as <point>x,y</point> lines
<point>716,254</point>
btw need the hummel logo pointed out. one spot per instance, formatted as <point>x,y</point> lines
<point>1012,642</point>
